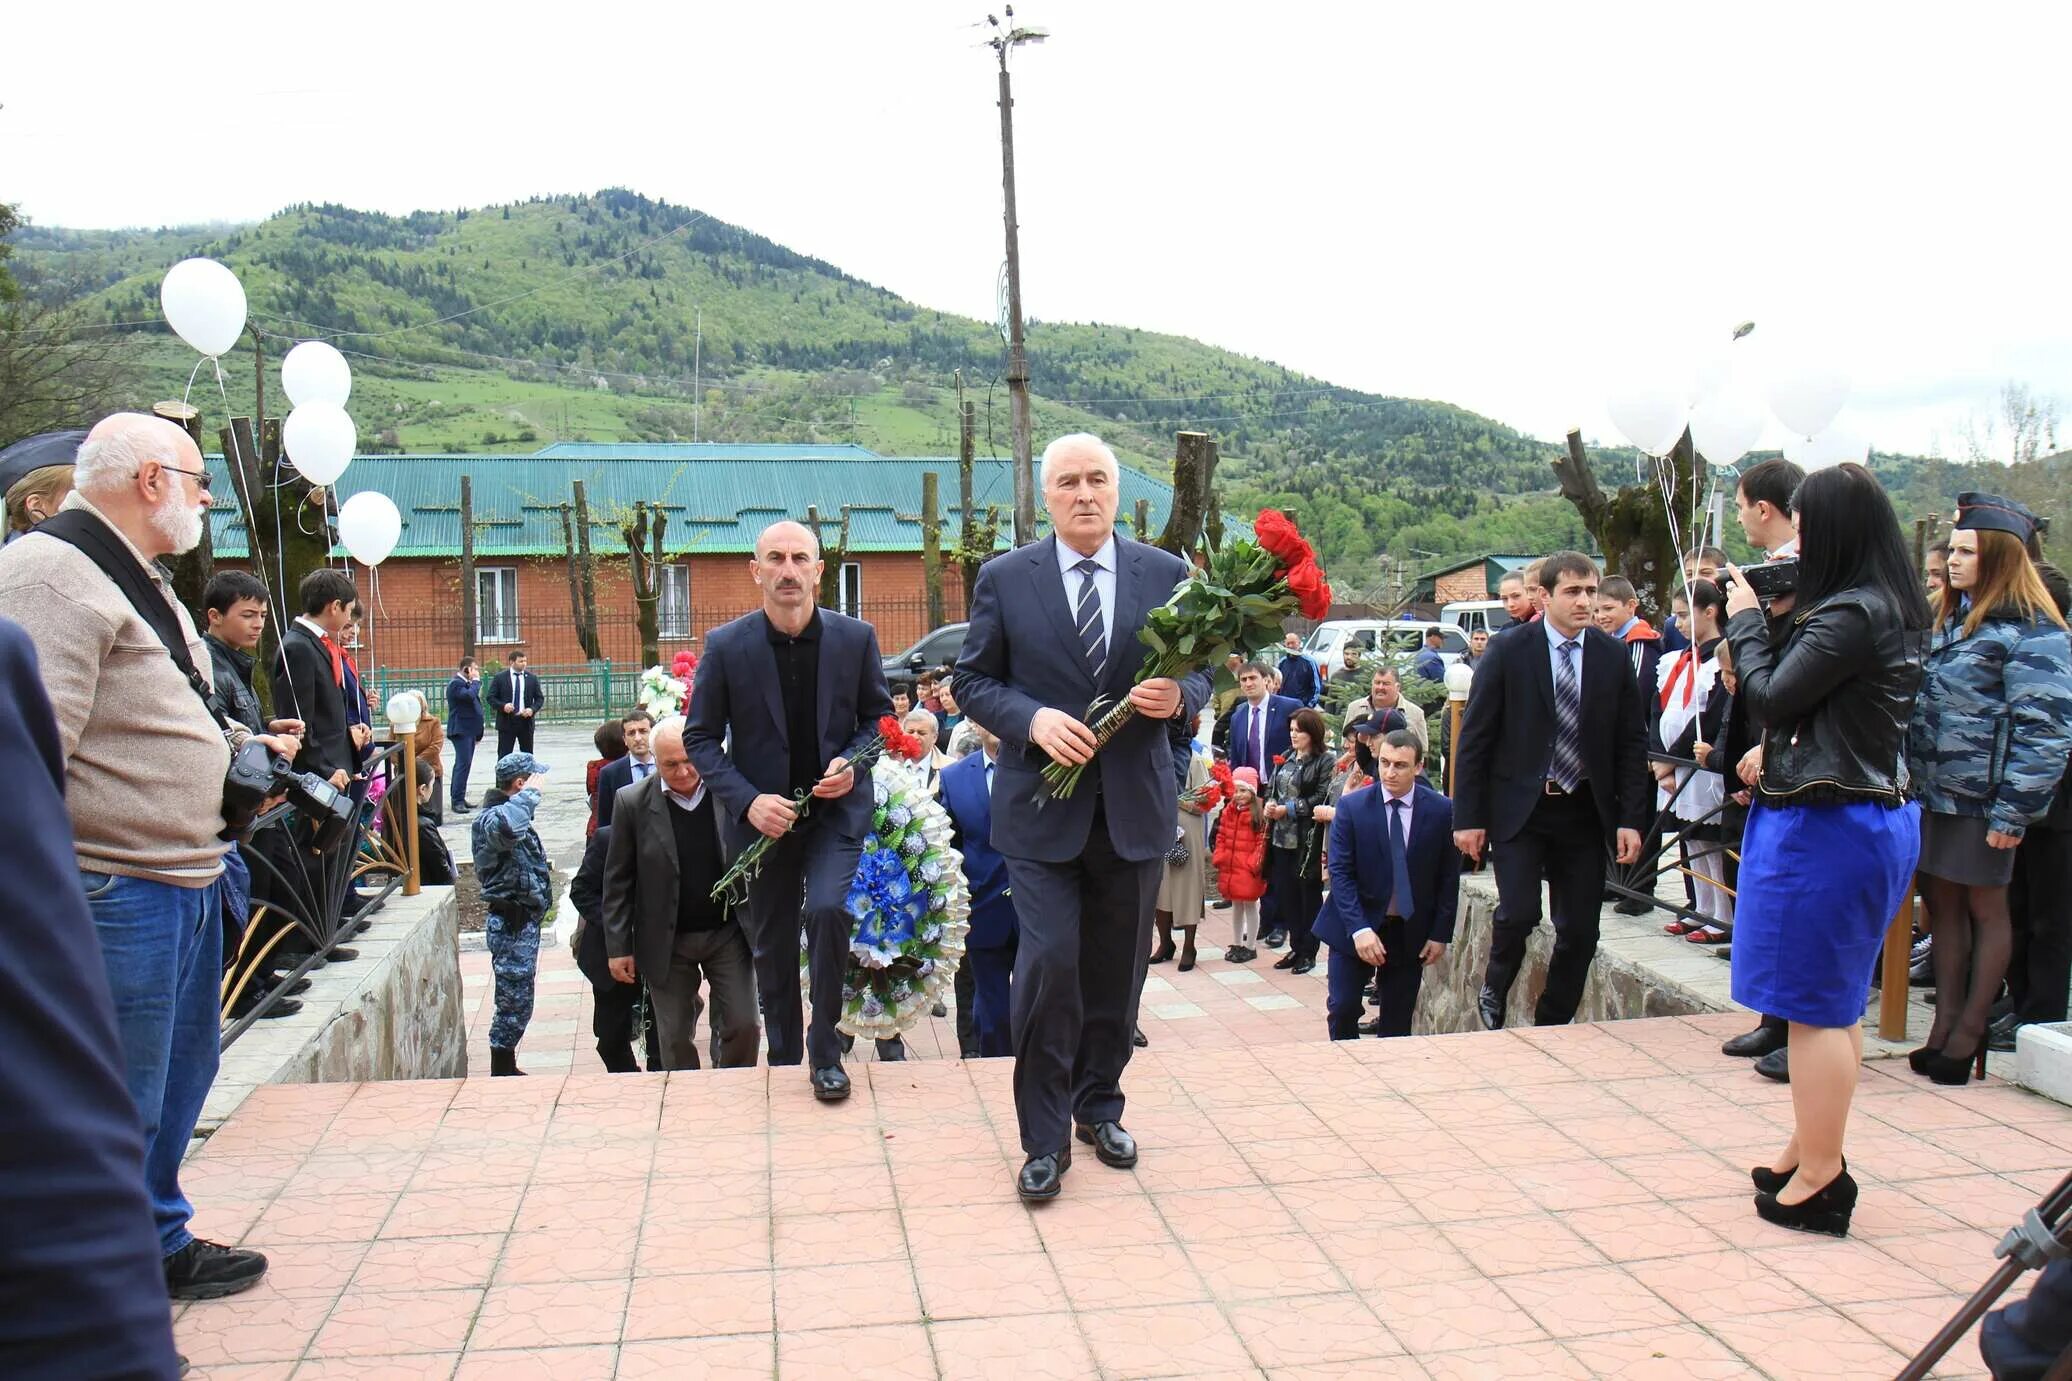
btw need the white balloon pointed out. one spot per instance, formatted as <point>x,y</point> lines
<point>1651,418</point>
<point>1839,444</point>
<point>204,304</point>
<point>368,526</point>
<point>1725,425</point>
<point>1807,396</point>
<point>320,439</point>
<point>314,372</point>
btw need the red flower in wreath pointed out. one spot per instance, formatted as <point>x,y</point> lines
<point>1306,582</point>
<point>1279,535</point>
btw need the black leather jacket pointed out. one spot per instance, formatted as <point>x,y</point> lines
<point>1834,693</point>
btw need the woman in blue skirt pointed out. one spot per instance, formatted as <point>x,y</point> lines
<point>1831,841</point>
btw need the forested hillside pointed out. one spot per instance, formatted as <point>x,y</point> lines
<point>578,318</point>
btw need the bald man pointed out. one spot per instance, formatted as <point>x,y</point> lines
<point>145,756</point>
<point>784,698</point>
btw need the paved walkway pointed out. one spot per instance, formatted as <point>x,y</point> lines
<point>1565,1202</point>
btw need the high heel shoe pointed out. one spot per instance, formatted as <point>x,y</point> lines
<point>1957,1070</point>
<point>1825,1212</point>
<point>1164,954</point>
<point>1770,1181</point>
<point>1918,1060</point>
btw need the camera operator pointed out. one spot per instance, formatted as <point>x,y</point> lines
<point>145,762</point>
<point>1831,841</point>
<point>1763,503</point>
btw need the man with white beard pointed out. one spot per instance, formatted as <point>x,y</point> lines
<point>145,758</point>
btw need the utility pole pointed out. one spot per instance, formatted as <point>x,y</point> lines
<point>1003,43</point>
<point>697,373</point>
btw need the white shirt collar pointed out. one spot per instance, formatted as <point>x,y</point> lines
<point>1104,558</point>
<point>1790,548</point>
<point>1555,637</point>
<point>312,625</point>
<point>682,802</point>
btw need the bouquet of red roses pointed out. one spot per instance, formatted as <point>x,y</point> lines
<point>732,890</point>
<point>1234,604</point>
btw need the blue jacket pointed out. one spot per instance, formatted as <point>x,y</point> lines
<point>510,861</point>
<point>1299,679</point>
<point>964,796</point>
<point>463,708</point>
<point>1279,710</point>
<point>1362,876</point>
<point>1993,723</point>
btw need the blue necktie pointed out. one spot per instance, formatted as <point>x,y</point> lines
<point>1400,901</point>
<point>1093,637</point>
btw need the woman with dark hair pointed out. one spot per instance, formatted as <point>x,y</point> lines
<point>1987,748</point>
<point>1295,843</point>
<point>1831,841</point>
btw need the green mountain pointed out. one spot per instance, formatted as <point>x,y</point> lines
<point>578,318</point>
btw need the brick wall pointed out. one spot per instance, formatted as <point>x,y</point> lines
<point>1468,584</point>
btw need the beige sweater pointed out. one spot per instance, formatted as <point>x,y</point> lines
<point>144,761</point>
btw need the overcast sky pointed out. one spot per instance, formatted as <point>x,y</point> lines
<point>1512,208</point>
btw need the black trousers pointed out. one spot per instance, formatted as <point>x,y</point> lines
<point>2040,901</point>
<point>1078,975</point>
<point>512,732</point>
<point>804,880</point>
<point>1301,897</point>
<point>1562,845</point>
<point>966,991</point>
<point>1397,981</point>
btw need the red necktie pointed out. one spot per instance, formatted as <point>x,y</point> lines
<point>337,662</point>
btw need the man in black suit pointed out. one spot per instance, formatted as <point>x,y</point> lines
<point>661,924</point>
<point>518,699</point>
<point>1552,770</point>
<point>784,698</point>
<point>1395,886</point>
<point>310,668</point>
<point>1053,630</point>
<point>637,727</point>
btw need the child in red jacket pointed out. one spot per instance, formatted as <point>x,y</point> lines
<point>1240,860</point>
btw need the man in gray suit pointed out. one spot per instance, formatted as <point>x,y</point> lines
<point>1053,630</point>
<point>660,921</point>
<point>784,698</point>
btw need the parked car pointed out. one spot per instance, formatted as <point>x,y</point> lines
<point>1402,636</point>
<point>1472,615</point>
<point>937,649</point>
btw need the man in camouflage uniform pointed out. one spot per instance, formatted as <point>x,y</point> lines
<point>511,867</point>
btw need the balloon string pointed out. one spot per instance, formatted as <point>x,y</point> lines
<point>189,390</point>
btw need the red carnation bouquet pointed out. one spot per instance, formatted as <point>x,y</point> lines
<point>890,739</point>
<point>1213,792</point>
<point>1233,604</point>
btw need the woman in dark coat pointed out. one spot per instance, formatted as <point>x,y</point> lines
<point>1295,853</point>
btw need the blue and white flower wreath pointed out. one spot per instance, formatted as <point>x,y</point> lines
<point>909,909</point>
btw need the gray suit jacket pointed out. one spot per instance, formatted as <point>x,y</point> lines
<point>641,877</point>
<point>1021,655</point>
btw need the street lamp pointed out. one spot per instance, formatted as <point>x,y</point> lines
<point>1007,38</point>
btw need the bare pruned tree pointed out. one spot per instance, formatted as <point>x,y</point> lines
<point>2023,427</point>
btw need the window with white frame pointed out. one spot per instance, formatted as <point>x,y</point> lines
<point>496,604</point>
<point>851,602</point>
<point>673,608</point>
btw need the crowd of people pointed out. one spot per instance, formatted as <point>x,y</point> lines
<point>1823,733</point>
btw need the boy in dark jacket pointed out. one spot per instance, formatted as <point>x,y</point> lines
<point>517,888</point>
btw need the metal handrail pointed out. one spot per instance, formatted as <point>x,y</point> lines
<point>311,893</point>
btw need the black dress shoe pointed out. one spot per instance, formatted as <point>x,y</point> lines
<point>1274,939</point>
<point>204,1270</point>
<point>1043,1177</point>
<point>894,1049</point>
<point>1371,1028</point>
<point>1138,1038</point>
<point>341,954</point>
<point>1825,1212</point>
<point>1491,1009</point>
<point>1755,1044</point>
<point>2001,1034</point>
<point>1112,1145</point>
<point>830,1085</point>
<point>1301,966</point>
<point>1286,961</point>
<point>1629,907</point>
<point>1776,1065</point>
<point>298,987</point>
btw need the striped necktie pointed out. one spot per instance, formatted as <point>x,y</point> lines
<point>1566,769</point>
<point>1093,638</point>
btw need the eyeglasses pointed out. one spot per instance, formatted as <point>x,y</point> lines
<point>201,477</point>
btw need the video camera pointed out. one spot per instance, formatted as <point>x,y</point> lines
<point>257,773</point>
<point>1770,579</point>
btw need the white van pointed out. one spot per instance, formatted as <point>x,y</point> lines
<point>1476,615</point>
<point>1405,636</point>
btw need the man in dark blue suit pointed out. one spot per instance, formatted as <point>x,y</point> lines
<point>784,698</point>
<point>518,697</point>
<point>82,1291</point>
<point>638,727</point>
<point>463,728</point>
<point>1395,885</point>
<point>1259,724</point>
<point>967,794</point>
<point>1053,631</point>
